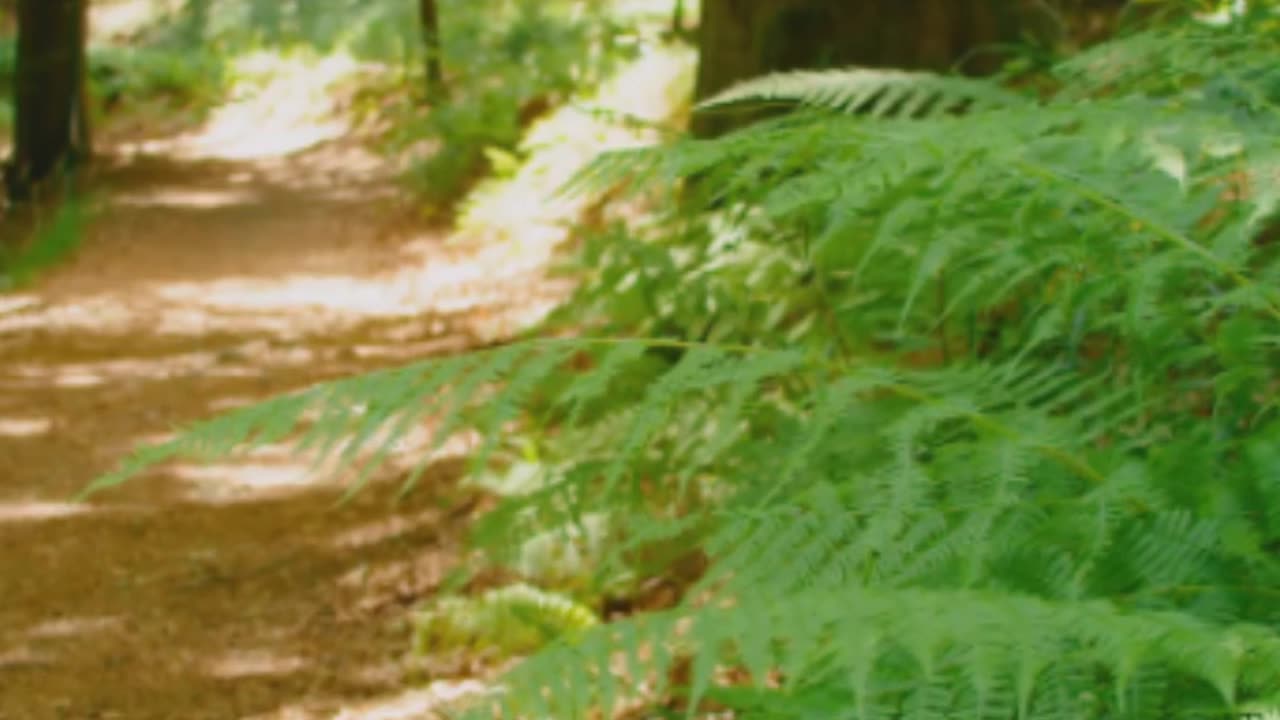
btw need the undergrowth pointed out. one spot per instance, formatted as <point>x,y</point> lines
<point>124,78</point>
<point>506,64</point>
<point>933,399</point>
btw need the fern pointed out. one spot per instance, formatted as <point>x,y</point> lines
<point>887,650</point>
<point>972,414</point>
<point>877,93</point>
<point>514,619</point>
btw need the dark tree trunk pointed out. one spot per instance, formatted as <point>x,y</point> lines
<point>429,16</point>
<point>49,128</point>
<point>741,39</point>
<point>82,141</point>
<point>8,16</point>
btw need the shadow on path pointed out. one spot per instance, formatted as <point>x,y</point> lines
<point>240,590</point>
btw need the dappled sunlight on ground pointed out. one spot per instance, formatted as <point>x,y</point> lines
<point>35,510</point>
<point>282,106</point>
<point>205,284</point>
<point>234,608</point>
<point>280,470</point>
<point>184,198</point>
<point>111,19</point>
<point>191,258</point>
<point>429,703</point>
<point>383,529</point>
<point>252,663</point>
<point>73,627</point>
<point>259,254</point>
<point>25,426</point>
<point>528,211</point>
<point>15,302</point>
<point>221,480</point>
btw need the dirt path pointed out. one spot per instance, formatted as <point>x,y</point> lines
<point>239,590</point>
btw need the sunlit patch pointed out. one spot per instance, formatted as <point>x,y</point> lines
<point>475,286</point>
<point>403,352</point>
<point>64,628</point>
<point>24,427</point>
<point>236,402</point>
<point>23,657</point>
<point>283,107</point>
<point>383,585</point>
<point>414,704</point>
<point>184,198</point>
<point>74,379</point>
<point>408,705</point>
<point>15,303</point>
<point>272,471</point>
<point>284,469</point>
<point>381,530</point>
<point>344,294</point>
<point>253,663</point>
<point>229,482</point>
<point>124,17</point>
<point>82,375</point>
<point>35,510</point>
<point>528,211</point>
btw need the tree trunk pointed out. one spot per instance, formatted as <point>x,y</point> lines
<point>82,141</point>
<point>49,90</point>
<point>429,15</point>
<point>741,39</point>
<point>8,16</point>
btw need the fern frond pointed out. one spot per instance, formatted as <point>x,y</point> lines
<point>350,414</point>
<point>877,93</point>
<point>514,619</point>
<point>888,648</point>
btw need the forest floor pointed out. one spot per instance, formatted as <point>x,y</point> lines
<point>221,267</point>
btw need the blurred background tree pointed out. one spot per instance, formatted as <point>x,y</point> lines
<point>51,127</point>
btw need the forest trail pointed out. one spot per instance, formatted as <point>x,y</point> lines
<point>218,272</point>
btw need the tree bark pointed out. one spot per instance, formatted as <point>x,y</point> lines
<point>741,39</point>
<point>429,16</point>
<point>49,91</point>
<point>82,141</point>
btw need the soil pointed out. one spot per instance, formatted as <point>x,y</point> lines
<point>237,590</point>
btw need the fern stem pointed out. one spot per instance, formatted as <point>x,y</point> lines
<point>1073,463</point>
<point>1099,198</point>
<point>670,343</point>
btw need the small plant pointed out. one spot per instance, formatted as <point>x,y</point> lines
<point>512,620</point>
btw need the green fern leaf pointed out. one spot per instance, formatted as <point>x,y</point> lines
<point>881,93</point>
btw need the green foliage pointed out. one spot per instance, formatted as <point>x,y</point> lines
<point>180,77</point>
<point>972,413</point>
<point>875,93</point>
<point>51,242</point>
<point>377,30</point>
<point>505,62</point>
<point>512,620</point>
